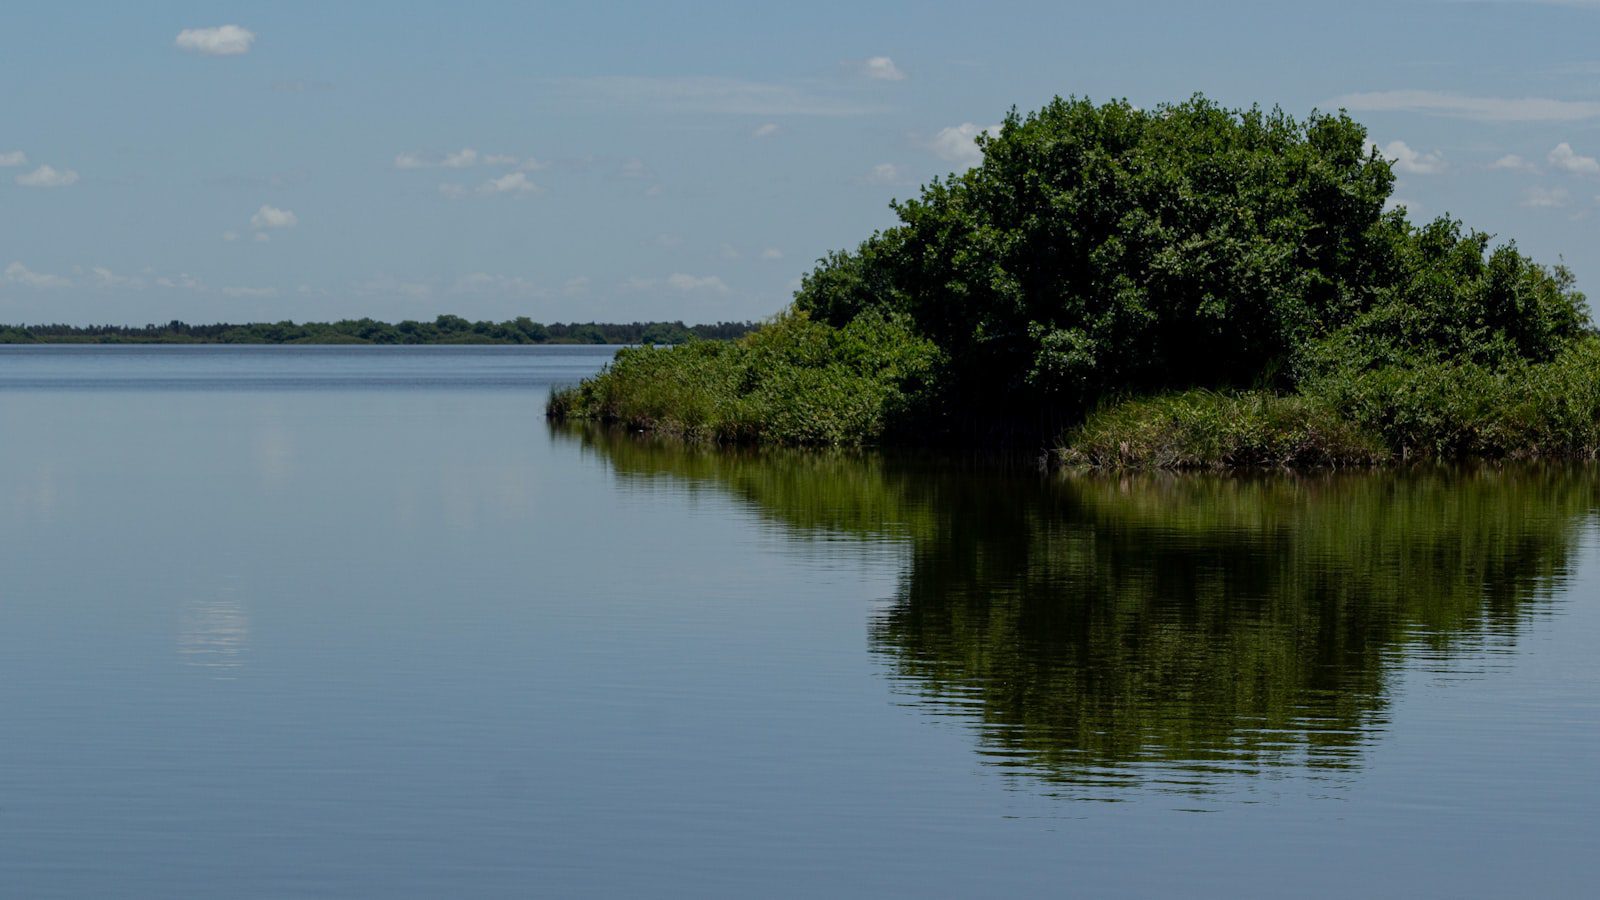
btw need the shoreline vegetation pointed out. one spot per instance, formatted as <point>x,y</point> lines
<point>445,329</point>
<point>1183,287</point>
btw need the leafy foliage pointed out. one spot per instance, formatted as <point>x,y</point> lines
<point>1102,250</point>
<point>794,381</point>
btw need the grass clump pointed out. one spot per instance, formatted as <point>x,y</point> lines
<point>1211,430</point>
<point>794,381</point>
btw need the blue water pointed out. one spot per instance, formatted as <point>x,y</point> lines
<point>349,622</point>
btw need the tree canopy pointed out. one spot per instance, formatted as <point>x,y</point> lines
<point>1107,249</point>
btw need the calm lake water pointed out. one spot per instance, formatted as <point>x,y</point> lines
<point>282,622</point>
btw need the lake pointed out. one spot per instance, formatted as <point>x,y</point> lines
<point>329,622</point>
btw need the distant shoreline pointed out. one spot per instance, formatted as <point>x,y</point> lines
<point>443,330</point>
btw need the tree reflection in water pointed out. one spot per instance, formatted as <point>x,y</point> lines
<point>1167,631</point>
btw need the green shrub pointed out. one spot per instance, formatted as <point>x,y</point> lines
<point>1103,250</point>
<point>794,381</point>
<point>1454,410</point>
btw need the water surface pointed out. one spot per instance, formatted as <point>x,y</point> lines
<point>357,621</point>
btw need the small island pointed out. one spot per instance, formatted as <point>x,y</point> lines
<point>1186,286</point>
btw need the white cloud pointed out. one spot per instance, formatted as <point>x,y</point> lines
<point>883,69</point>
<point>17,273</point>
<point>693,283</point>
<point>634,168</point>
<point>1545,198</point>
<point>1461,106</point>
<point>772,253</point>
<point>182,280</point>
<point>48,177</point>
<point>224,40</point>
<point>728,251</point>
<point>1565,159</point>
<point>262,237</point>
<point>464,158</point>
<point>105,278</point>
<point>1409,162</point>
<point>253,292</point>
<point>273,217</point>
<point>13,158</point>
<point>1511,162</point>
<point>578,285</point>
<point>230,235</point>
<point>765,131</point>
<point>958,143</point>
<point>885,173</point>
<point>513,183</point>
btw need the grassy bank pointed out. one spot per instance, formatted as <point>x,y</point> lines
<point>1433,412</point>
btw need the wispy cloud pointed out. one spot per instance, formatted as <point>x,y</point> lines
<point>677,281</point>
<point>17,273</point>
<point>13,158</point>
<point>885,173</point>
<point>510,183</point>
<point>707,94</point>
<point>882,68</point>
<point>1545,198</point>
<point>514,183</point>
<point>487,283</point>
<point>1511,162</point>
<point>223,40</point>
<point>765,131</point>
<point>1462,106</point>
<point>48,177</point>
<point>465,158</point>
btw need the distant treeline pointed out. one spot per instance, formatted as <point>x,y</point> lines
<point>445,329</point>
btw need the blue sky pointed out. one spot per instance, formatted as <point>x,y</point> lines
<point>575,161</point>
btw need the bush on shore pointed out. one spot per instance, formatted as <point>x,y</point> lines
<point>1440,411</point>
<point>794,381</point>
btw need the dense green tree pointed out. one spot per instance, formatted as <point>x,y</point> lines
<point>1105,249</point>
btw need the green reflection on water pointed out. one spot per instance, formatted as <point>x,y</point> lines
<point>1168,630</point>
